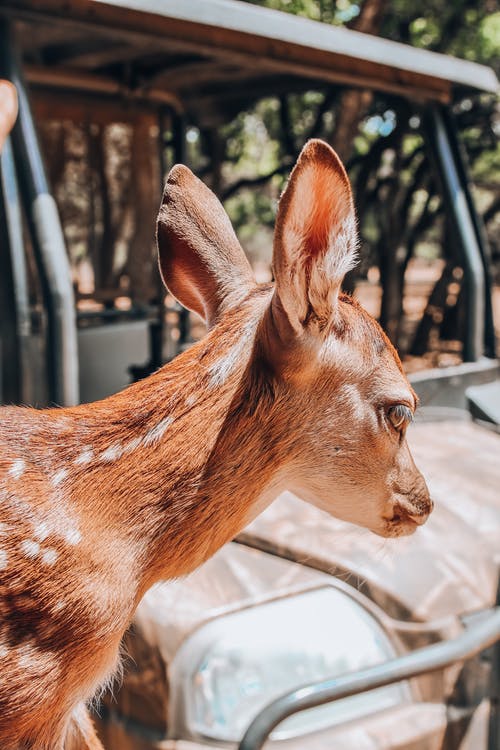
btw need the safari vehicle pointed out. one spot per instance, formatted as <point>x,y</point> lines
<point>299,598</point>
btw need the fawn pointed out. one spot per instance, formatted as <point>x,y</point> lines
<point>294,386</point>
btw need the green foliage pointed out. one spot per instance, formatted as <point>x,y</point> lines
<point>396,191</point>
<point>326,11</point>
<point>489,39</point>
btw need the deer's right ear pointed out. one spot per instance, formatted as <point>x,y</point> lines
<point>315,238</point>
<point>201,261</point>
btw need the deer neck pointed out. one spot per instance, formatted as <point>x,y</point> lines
<point>178,462</point>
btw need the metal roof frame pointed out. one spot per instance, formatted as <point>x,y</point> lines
<point>258,41</point>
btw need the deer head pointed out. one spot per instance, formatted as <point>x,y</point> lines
<point>331,390</point>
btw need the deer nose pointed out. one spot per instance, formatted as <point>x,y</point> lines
<point>418,513</point>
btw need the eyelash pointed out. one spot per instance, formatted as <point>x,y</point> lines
<point>403,413</point>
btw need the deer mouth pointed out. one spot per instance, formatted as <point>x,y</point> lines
<point>396,528</point>
<point>405,519</point>
<point>417,518</point>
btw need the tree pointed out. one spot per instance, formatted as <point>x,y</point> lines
<point>397,196</point>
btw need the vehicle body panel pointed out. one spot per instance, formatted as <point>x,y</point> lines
<point>419,589</point>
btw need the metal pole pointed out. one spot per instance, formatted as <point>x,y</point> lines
<point>10,359</point>
<point>14,300</point>
<point>422,661</point>
<point>47,236</point>
<point>479,228</point>
<point>459,211</point>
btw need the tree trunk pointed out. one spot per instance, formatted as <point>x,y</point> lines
<point>354,103</point>
<point>104,254</point>
<point>144,203</point>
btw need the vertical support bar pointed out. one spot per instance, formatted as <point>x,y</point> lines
<point>14,300</point>
<point>480,230</point>
<point>47,236</point>
<point>10,355</point>
<point>459,211</point>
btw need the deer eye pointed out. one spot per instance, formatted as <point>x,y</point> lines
<point>400,417</point>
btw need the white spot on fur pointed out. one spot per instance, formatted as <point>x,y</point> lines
<point>59,606</point>
<point>3,559</point>
<point>222,368</point>
<point>59,477</point>
<point>132,445</point>
<point>4,652</point>
<point>27,656</point>
<point>30,547</point>
<point>112,453</point>
<point>156,433</point>
<point>335,351</point>
<point>63,523</point>
<point>85,456</point>
<point>73,536</point>
<point>332,349</point>
<point>41,531</point>
<point>17,469</point>
<point>191,400</point>
<point>18,507</point>
<point>49,556</point>
<point>349,398</point>
<point>37,662</point>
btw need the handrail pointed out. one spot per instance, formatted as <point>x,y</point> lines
<point>18,389</point>
<point>432,658</point>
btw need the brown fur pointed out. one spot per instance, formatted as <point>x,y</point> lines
<point>100,501</point>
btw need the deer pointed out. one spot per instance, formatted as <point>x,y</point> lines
<point>293,387</point>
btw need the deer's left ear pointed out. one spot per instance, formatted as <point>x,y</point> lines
<point>315,237</point>
<point>201,261</point>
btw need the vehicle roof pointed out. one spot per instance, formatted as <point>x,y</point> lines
<point>218,53</point>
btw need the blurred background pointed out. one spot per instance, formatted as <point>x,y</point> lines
<point>243,142</point>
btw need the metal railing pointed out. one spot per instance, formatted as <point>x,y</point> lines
<point>475,639</point>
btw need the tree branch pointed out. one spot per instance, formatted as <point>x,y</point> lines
<point>244,182</point>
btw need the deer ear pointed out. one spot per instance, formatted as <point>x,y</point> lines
<point>315,238</point>
<point>201,261</point>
